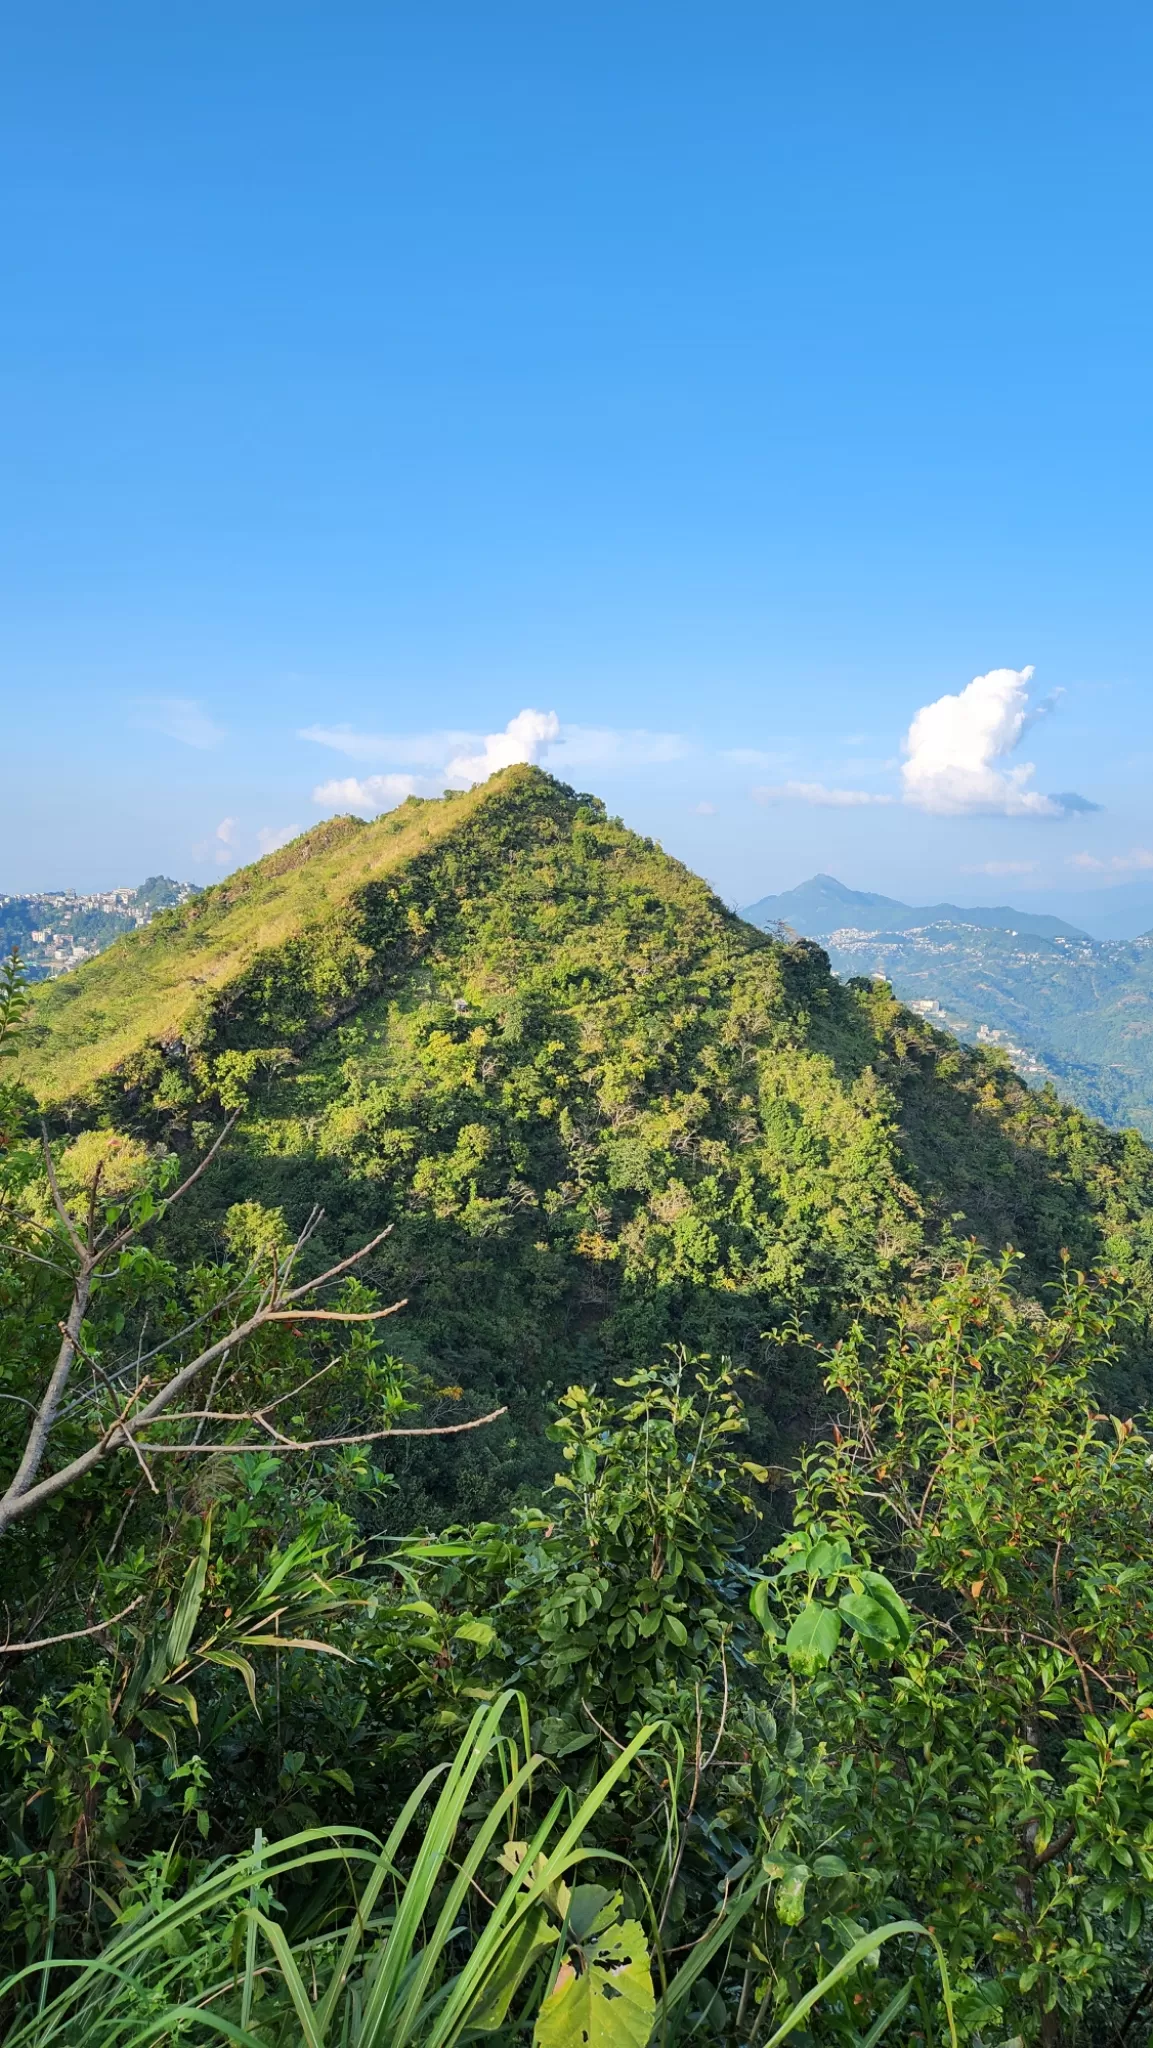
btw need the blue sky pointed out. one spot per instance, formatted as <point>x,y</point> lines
<point>725,385</point>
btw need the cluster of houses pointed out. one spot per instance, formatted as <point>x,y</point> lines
<point>56,929</point>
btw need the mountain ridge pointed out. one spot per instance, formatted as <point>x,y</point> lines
<point>821,905</point>
<point>601,1112</point>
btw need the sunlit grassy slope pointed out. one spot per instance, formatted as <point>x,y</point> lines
<point>151,986</point>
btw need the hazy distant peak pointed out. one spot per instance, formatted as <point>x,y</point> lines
<point>823,905</point>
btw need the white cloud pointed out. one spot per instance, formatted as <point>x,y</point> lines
<point>524,738</point>
<point>954,744</point>
<point>367,793</point>
<point>271,837</point>
<point>1003,867</point>
<point>226,831</point>
<point>705,810</point>
<point>178,718</point>
<point>817,793</point>
<point>1137,858</point>
<point>461,758</point>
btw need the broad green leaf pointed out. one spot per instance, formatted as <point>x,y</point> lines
<point>591,1909</point>
<point>813,1638</point>
<point>872,1622</point>
<point>831,1555</point>
<point>759,1602</point>
<point>608,2003</point>
<point>477,1632</point>
<point>878,1585</point>
<point>182,1696</point>
<point>790,1895</point>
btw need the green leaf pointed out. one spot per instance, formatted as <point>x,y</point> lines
<point>477,1632</point>
<point>790,1896</point>
<point>233,1661</point>
<point>676,1631</point>
<point>182,1696</point>
<point>759,1602</point>
<point>273,1642</point>
<point>812,1639</point>
<point>872,1622</point>
<point>829,1556</point>
<point>878,1585</point>
<point>532,1938</point>
<point>608,2003</point>
<point>159,1725</point>
<point>188,1606</point>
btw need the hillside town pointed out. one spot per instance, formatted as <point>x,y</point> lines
<point>57,929</point>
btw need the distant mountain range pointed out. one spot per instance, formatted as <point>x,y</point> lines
<point>1064,1007</point>
<point>824,905</point>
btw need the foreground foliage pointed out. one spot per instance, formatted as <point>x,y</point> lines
<point>420,1964</point>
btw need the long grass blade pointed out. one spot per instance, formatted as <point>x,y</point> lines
<point>867,1945</point>
<point>893,2011</point>
<point>297,1991</point>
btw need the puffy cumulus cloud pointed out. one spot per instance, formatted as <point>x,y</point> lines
<point>423,763</point>
<point>955,745</point>
<point>817,793</point>
<point>178,718</point>
<point>524,738</point>
<point>365,793</point>
<point>1134,862</point>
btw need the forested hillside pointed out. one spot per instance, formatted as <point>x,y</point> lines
<point>1068,1009</point>
<point>785,1280</point>
<point>600,1113</point>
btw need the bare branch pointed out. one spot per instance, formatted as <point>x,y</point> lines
<point>320,1443</point>
<point>203,1164</point>
<point>21,1251</point>
<point>45,1417</point>
<point>334,1272</point>
<point>332,1315</point>
<point>311,1225</point>
<point>132,1230</point>
<point>57,1197</point>
<point>71,1635</point>
<point>27,1491</point>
